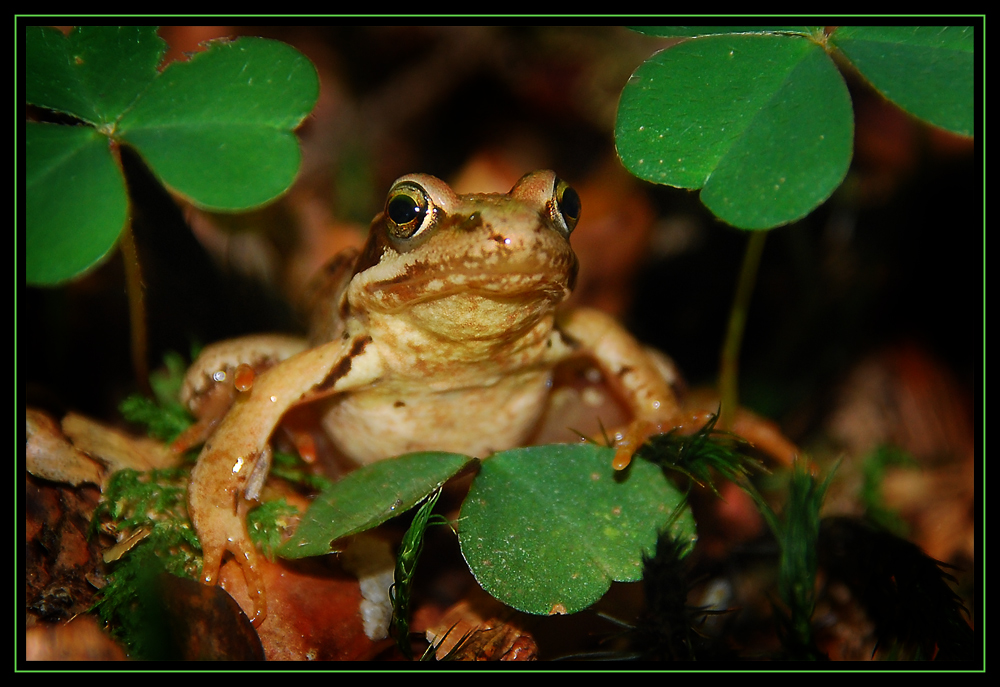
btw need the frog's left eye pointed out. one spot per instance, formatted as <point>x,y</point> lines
<point>566,206</point>
<point>408,210</point>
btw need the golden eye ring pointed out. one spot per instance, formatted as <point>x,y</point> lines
<point>565,206</point>
<point>408,210</point>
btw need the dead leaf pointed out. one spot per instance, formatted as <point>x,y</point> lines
<point>116,449</point>
<point>482,629</point>
<point>313,611</point>
<point>50,455</point>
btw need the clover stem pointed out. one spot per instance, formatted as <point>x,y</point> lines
<point>136,307</point>
<point>136,295</point>
<point>730,354</point>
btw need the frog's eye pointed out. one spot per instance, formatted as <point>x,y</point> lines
<point>408,210</point>
<point>566,206</point>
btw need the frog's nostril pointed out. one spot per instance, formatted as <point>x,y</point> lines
<point>472,222</point>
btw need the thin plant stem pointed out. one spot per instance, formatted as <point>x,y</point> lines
<point>730,355</point>
<point>136,307</point>
<point>136,293</point>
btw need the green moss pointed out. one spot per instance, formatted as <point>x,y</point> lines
<point>165,417</point>
<point>701,454</point>
<point>269,524</point>
<point>293,469</point>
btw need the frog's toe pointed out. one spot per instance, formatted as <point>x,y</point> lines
<point>246,557</point>
<point>211,561</point>
<point>628,441</point>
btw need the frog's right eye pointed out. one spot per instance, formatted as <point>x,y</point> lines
<point>408,210</point>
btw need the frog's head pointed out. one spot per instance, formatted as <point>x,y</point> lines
<point>476,257</point>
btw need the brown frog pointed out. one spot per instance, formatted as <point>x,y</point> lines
<point>441,333</point>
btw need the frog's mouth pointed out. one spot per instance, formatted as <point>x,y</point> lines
<point>547,275</point>
<point>405,291</point>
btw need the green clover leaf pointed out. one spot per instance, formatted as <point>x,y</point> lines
<point>217,129</point>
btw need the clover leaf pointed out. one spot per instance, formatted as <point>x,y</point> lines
<point>760,119</point>
<point>546,529</point>
<point>368,497</point>
<point>216,129</point>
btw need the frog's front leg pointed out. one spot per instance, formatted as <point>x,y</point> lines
<point>228,460</point>
<point>630,370</point>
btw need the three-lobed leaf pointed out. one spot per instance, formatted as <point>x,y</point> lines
<point>216,129</point>
<point>761,123</point>
<point>760,118</point>
<point>547,529</point>
<point>544,529</point>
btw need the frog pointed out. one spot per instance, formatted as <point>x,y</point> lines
<point>440,333</point>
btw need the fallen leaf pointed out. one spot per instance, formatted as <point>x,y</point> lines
<point>481,628</point>
<point>51,456</point>
<point>116,449</point>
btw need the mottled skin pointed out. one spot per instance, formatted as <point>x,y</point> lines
<point>440,334</point>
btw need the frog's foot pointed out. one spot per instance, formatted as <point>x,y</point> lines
<point>218,507</point>
<point>760,432</point>
<point>239,544</point>
<point>628,441</point>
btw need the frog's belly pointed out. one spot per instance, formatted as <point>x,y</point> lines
<point>380,423</point>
